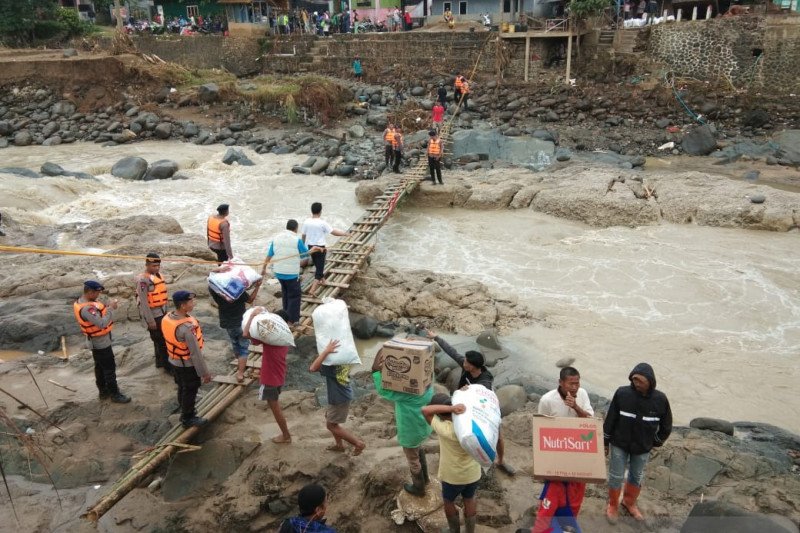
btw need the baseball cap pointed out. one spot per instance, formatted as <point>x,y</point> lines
<point>182,296</point>
<point>93,285</point>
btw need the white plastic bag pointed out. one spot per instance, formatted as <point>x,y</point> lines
<point>233,280</point>
<point>268,328</point>
<point>478,427</point>
<point>331,321</point>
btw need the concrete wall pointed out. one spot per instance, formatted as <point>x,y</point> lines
<point>729,48</point>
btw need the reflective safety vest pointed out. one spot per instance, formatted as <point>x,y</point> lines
<point>158,296</point>
<point>89,329</point>
<point>175,348</point>
<point>459,82</point>
<point>213,229</point>
<point>397,140</point>
<point>388,136</point>
<point>435,147</point>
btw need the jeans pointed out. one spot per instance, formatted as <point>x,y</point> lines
<point>318,258</point>
<point>435,167</point>
<point>159,344</point>
<point>239,344</point>
<point>618,460</point>
<point>398,157</point>
<point>291,293</point>
<point>388,154</point>
<point>188,384</point>
<point>105,371</point>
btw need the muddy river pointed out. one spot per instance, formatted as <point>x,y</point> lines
<point>715,311</point>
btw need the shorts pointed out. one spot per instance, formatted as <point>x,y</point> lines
<point>269,393</point>
<point>451,492</point>
<point>337,414</point>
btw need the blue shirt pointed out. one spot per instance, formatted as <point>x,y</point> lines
<point>356,67</point>
<point>301,247</point>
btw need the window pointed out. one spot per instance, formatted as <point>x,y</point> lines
<point>462,8</point>
<point>448,7</point>
<point>192,11</point>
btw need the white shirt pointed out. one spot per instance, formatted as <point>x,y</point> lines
<point>552,404</point>
<point>316,230</point>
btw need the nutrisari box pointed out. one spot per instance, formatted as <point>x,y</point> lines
<point>407,365</point>
<point>568,449</point>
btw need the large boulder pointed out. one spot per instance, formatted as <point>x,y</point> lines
<point>64,108</point>
<point>488,339</point>
<point>517,150</point>
<point>236,155</point>
<point>364,327</point>
<point>130,168</point>
<point>23,138</point>
<point>320,164</point>
<point>208,93</point>
<point>161,170</point>
<point>52,169</point>
<point>699,141</point>
<point>512,398</point>
<point>789,142</point>
<point>163,130</point>
<point>712,424</point>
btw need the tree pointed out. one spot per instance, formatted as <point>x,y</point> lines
<point>18,18</point>
<point>583,9</point>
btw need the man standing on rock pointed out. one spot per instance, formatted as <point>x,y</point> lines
<point>397,147</point>
<point>435,151</point>
<point>388,148</point>
<point>412,428</point>
<point>568,400</point>
<point>151,293</point>
<point>96,322</point>
<point>285,252</point>
<point>184,338</point>
<point>639,418</point>
<point>441,95</point>
<point>218,231</point>
<point>315,232</point>
<point>474,372</point>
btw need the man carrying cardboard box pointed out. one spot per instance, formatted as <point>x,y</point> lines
<point>412,429</point>
<point>562,498</point>
<point>639,419</point>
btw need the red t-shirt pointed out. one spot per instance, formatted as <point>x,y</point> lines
<point>438,113</point>
<point>273,365</point>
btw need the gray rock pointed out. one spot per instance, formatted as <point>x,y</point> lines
<point>364,327</point>
<point>516,150</point>
<point>514,105</point>
<point>563,154</point>
<point>546,135</point>
<point>51,169</point>
<point>308,163</point>
<point>161,170</point>
<point>277,507</point>
<point>6,128</point>
<point>789,141</point>
<point>132,112</point>
<point>208,93</point>
<point>64,108</point>
<point>3,143</point>
<point>565,361</point>
<point>23,138</point>
<point>488,339</point>
<point>130,168</point>
<point>24,172</point>
<point>752,175</point>
<point>298,169</point>
<point>663,123</point>
<point>190,129</point>
<point>512,398</point>
<point>512,132</point>
<point>320,165</point>
<point>70,52</point>
<point>758,198</point>
<point>356,131</point>
<point>50,128</point>
<point>163,130</point>
<point>721,517</point>
<point>236,155</point>
<point>345,170</point>
<point>755,118</point>
<point>712,424</point>
<point>280,150</point>
<point>418,91</point>
<point>55,140</point>
<point>699,141</point>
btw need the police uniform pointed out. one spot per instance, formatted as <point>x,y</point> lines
<point>151,293</point>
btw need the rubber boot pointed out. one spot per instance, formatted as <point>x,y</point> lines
<point>417,485</point>
<point>453,524</point>
<point>612,511</point>
<point>469,523</point>
<point>424,462</point>
<point>629,497</point>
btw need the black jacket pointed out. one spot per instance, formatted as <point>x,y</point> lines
<point>485,378</point>
<point>230,313</point>
<point>638,423</point>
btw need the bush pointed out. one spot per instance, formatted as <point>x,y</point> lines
<point>72,22</point>
<point>48,29</point>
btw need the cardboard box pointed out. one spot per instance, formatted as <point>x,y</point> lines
<point>568,449</point>
<point>407,365</point>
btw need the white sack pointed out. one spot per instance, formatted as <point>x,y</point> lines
<point>331,321</point>
<point>478,427</point>
<point>233,280</point>
<point>269,328</point>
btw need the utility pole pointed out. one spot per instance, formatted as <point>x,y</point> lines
<point>118,14</point>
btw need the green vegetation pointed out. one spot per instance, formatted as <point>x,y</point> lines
<point>583,9</point>
<point>24,22</point>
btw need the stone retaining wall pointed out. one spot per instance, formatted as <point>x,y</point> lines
<point>239,55</point>
<point>750,51</point>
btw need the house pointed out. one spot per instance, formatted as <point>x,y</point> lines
<point>499,10</point>
<point>170,9</point>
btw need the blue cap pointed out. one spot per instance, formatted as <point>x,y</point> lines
<point>93,285</point>
<point>182,296</point>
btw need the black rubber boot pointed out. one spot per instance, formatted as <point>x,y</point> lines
<point>453,524</point>
<point>417,486</point>
<point>424,462</point>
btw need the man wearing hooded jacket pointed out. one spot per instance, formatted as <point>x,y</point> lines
<point>639,419</point>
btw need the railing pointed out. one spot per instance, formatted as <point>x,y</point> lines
<point>556,25</point>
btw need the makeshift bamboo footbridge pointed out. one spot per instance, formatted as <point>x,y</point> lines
<point>343,263</point>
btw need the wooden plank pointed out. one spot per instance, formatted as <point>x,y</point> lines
<point>344,261</point>
<point>343,271</point>
<point>231,380</point>
<point>368,223</point>
<point>334,284</point>
<point>250,364</point>
<point>310,299</point>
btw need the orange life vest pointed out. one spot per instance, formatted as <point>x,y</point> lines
<point>388,136</point>
<point>175,348</point>
<point>459,82</point>
<point>89,329</point>
<point>397,140</point>
<point>213,229</point>
<point>158,296</point>
<point>435,147</point>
